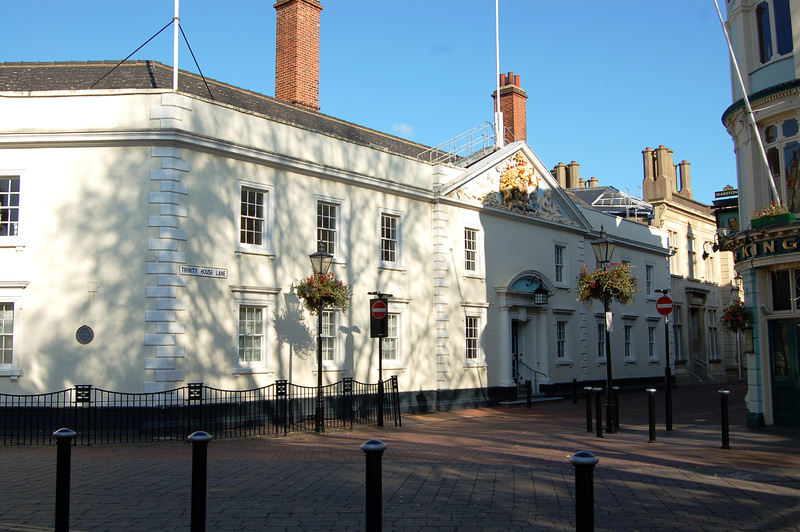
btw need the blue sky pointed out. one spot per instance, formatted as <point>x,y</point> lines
<point>603,82</point>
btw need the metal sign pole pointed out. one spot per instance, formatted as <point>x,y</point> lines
<point>379,313</point>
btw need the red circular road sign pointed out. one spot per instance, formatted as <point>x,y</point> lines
<point>664,305</point>
<point>379,310</point>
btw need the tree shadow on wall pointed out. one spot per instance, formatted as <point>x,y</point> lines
<point>292,331</point>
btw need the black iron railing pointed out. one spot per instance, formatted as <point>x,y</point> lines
<point>102,416</point>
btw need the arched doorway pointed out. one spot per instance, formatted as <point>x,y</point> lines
<point>523,304</point>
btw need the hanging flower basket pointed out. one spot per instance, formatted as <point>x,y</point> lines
<point>615,282</point>
<point>735,317</point>
<point>323,289</point>
<point>773,214</point>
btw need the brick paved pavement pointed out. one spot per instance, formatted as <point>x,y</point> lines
<point>501,468</point>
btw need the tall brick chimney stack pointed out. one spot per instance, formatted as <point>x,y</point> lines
<point>297,52</point>
<point>512,105</point>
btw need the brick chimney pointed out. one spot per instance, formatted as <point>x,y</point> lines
<point>297,52</point>
<point>512,105</point>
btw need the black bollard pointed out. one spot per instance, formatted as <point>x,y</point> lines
<point>651,402</point>
<point>616,407</point>
<point>574,391</point>
<point>529,391</point>
<point>588,391</point>
<point>373,449</point>
<point>584,463</point>
<point>199,441</point>
<point>726,441</point>
<point>381,396</point>
<point>668,395</point>
<point>598,404</point>
<point>63,466</point>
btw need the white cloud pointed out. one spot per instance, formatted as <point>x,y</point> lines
<point>403,130</point>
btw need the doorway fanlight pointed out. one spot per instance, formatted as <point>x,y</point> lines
<point>540,294</point>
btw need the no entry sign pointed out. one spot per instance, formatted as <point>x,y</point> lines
<point>378,309</point>
<point>379,318</point>
<point>664,305</point>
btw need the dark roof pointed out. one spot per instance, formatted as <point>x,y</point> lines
<point>140,74</point>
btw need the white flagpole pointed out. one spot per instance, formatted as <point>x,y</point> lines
<point>176,23</point>
<point>749,109</point>
<point>499,134</point>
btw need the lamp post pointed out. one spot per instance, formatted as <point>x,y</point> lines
<point>667,366</point>
<point>735,297</point>
<point>320,262</point>
<point>603,250</point>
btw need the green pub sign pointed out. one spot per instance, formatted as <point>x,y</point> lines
<point>763,248</point>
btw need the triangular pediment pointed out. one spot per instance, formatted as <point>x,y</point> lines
<point>513,179</point>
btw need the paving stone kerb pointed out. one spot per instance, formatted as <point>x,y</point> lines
<point>503,468</point>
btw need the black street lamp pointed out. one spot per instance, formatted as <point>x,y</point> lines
<point>320,263</point>
<point>603,250</point>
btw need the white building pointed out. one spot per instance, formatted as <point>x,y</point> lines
<point>150,238</point>
<point>764,34</point>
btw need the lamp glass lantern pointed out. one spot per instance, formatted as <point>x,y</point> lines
<point>540,295</point>
<point>321,260</point>
<point>603,248</point>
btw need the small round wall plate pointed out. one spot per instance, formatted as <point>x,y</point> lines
<point>84,335</point>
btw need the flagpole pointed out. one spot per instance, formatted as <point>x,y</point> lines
<point>176,35</point>
<point>749,109</point>
<point>499,134</point>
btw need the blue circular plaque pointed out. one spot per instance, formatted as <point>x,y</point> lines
<point>84,335</point>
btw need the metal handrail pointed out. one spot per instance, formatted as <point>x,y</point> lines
<point>461,147</point>
<point>530,368</point>
<point>535,373</point>
<point>705,365</point>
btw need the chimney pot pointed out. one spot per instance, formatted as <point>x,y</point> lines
<point>512,105</point>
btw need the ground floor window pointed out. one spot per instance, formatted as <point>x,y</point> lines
<point>651,343</point>
<point>785,290</point>
<point>601,342</point>
<point>712,335</point>
<point>7,334</point>
<point>254,309</point>
<point>251,335</point>
<point>472,330</point>
<point>561,340</point>
<point>328,337</point>
<point>630,346</point>
<point>677,327</point>
<point>474,322</point>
